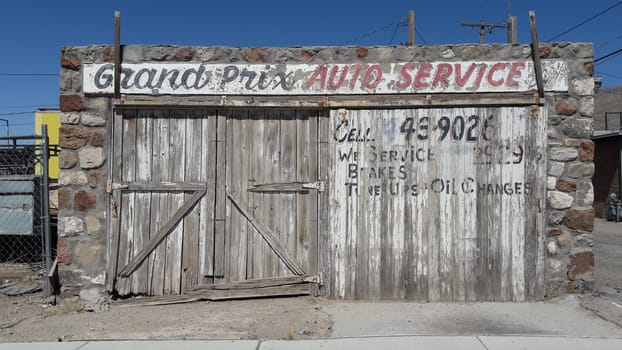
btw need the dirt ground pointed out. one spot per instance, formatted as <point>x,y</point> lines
<point>29,318</point>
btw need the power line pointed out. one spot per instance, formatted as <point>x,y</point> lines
<point>394,32</point>
<point>29,74</point>
<point>609,75</point>
<point>609,55</point>
<point>19,113</point>
<point>30,106</point>
<point>383,28</point>
<point>420,36</point>
<point>586,21</point>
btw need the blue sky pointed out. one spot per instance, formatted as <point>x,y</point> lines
<point>32,32</point>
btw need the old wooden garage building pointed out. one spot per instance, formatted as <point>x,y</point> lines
<point>419,173</point>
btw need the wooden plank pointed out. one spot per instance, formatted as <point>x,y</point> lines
<point>271,206</point>
<point>159,203</point>
<point>282,252</point>
<point>237,180</point>
<point>257,246</point>
<point>190,248</point>
<point>162,233</point>
<point>174,240</point>
<point>208,165</point>
<point>336,101</point>
<point>142,200</point>
<point>295,186</point>
<point>287,201</point>
<point>116,161</point>
<point>257,283</point>
<point>221,295</point>
<point>161,186</point>
<point>221,204</point>
<point>124,283</point>
<point>325,246</point>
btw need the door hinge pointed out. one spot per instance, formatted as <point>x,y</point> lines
<point>114,186</point>
<point>318,185</point>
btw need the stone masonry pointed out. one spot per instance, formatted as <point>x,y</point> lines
<point>86,126</point>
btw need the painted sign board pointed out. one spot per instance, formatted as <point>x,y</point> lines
<point>434,204</point>
<point>331,79</point>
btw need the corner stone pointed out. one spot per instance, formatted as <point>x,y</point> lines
<point>91,158</point>
<point>580,264</point>
<point>70,226</point>
<point>559,200</point>
<point>580,219</point>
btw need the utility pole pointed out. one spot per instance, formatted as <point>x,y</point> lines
<point>411,27</point>
<point>512,36</point>
<point>483,27</point>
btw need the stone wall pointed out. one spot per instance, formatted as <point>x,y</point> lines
<point>86,124</point>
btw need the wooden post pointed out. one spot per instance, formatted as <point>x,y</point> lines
<point>117,54</point>
<point>535,52</point>
<point>411,27</point>
<point>512,37</point>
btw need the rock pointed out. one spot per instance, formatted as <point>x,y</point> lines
<point>582,87</point>
<point>70,63</point>
<point>577,127</point>
<point>101,304</point>
<point>68,177</point>
<point>255,55</point>
<point>580,170</point>
<point>566,186</point>
<point>550,182</point>
<point>67,159</point>
<point>555,232</point>
<point>93,225</point>
<point>565,107</point>
<point>555,217</point>
<point>587,151</point>
<point>448,53</point>
<point>84,201</point>
<point>586,106</point>
<point>184,54</point>
<point>585,194</point>
<point>589,67</point>
<point>70,118</point>
<point>580,219</point>
<point>97,139</point>
<point>564,240</point>
<point>64,198</point>
<point>63,255</point>
<point>544,51</point>
<point>580,264</point>
<point>94,177</point>
<point>551,247</point>
<point>361,52</point>
<point>556,169</point>
<point>73,137</point>
<point>91,157</point>
<point>470,52</point>
<point>559,200</point>
<point>92,119</point>
<point>306,56</point>
<point>71,103</point>
<point>563,154</point>
<point>70,226</point>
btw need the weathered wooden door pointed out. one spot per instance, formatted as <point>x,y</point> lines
<point>216,196</point>
<point>437,204</point>
<point>272,194</point>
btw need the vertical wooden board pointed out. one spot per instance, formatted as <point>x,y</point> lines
<point>177,163</point>
<point>325,166</point>
<point>142,201</point>
<point>256,244</point>
<point>304,160</point>
<point>535,160</point>
<point>115,205</point>
<point>359,255</point>
<point>222,207</point>
<point>163,132</point>
<point>288,172</point>
<point>191,253</point>
<point>237,178</point>
<point>208,166</point>
<point>126,250</point>
<point>271,207</point>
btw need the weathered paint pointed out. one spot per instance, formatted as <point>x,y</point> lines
<point>51,118</point>
<point>431,204</point>
<point>337,78</point>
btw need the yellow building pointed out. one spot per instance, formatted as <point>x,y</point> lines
<point>51,117</point>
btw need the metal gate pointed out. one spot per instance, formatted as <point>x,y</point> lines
<point>204,197</point>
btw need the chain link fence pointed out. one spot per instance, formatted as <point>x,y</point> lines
<point>25,230</point>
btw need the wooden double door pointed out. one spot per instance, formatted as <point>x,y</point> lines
<point>210,197</point>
